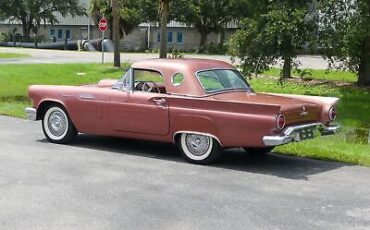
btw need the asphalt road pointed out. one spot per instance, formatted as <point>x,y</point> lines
<point>38,56</point>
<point>111,183</point>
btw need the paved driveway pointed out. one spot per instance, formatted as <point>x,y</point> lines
<point>38,56</point>
<point>111,183</point>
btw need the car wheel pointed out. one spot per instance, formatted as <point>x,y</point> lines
<point>199,149</point>
<point>57,126</point>
<point>258,151</point>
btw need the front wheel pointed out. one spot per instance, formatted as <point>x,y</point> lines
<point>199,149</point>
<point>57,126</point>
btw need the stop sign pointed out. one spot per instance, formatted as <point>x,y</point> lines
<point>103,24</point>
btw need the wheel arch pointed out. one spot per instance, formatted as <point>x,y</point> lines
<point>177,135</point>
<point>41,108</point>
<point>197,124</point>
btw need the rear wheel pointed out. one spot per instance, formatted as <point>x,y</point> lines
<point>57,126</point>
<point>198,148</point>
<point>259,151</point>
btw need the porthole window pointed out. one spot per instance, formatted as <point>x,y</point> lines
<point>178,79</point>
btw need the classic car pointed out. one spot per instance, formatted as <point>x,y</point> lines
<point>201,105</point>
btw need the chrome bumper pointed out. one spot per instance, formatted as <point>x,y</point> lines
<point>31,113</point>
<point>291,133</point>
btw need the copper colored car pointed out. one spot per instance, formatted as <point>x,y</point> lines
<point>201,105</point>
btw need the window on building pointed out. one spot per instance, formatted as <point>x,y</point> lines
<point>169,37</point>
<point>52,33</point>
<point>60,34</point>
<point>158,37</point>
<point>179,37</point>
<point>68,34</point>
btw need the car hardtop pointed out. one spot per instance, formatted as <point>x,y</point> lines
<point>181,64</point>
<point>185,66</point>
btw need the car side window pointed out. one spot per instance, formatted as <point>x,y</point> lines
<point>178,79</point>
<point>148,81</point>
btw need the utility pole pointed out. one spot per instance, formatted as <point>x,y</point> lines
<point>116,37</point>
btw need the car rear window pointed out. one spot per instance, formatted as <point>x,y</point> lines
<point>222,79</point>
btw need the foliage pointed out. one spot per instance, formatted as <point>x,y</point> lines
<point>5,37</point>
<point>175,53</point>
<point>208,15</point>
<point>345,35</point>
<point>280,31</point>
<point>219,48</point>
<point>131,14</point>
<point>32,13</point>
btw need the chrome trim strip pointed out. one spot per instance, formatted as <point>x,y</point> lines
<point>31,113</point>
<point>276,140</point>
<point>68,95</point>
<point>87,96</point>
<point>192,132</point>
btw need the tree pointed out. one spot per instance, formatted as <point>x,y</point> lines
<point>345,34</point>
<point>130,14</point>
<point>165,8</point>
<point>31,13</point>
<point>280,30</point>
<point>206,16</point>
<point>116,35</point>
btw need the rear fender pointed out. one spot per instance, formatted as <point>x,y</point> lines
<point>195,124</point>
<point>325,102</point>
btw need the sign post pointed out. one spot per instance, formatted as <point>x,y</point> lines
<point>103,26</point>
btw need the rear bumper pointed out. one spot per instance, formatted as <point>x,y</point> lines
<point>291,133</point>
<point>31,113</point>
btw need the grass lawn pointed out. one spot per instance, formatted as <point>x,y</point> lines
<point>349,146</point>
<point>332,75</point>
<point>13,55</point>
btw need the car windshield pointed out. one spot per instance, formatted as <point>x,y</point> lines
<point>222,79</point>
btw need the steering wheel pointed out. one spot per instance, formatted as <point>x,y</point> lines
<point>148,86</point>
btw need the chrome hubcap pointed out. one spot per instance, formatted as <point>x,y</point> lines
<point>57,123</point>
<point>197,144</point>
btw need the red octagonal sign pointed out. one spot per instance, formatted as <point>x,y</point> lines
<point>103,24</point>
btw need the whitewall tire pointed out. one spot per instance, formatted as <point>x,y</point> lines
<point>199,148</point>
<point>57,126</point>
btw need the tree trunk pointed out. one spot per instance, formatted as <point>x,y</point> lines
<point>364,68</point>
<point>26,28</point>
<point>116,35</point>
<point>164,19</point>
<point>203,40</point>
<point>221,39</point>
<point>287,68</point>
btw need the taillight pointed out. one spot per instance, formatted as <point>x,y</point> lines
<point>332,114</point>
<point>280,121</point>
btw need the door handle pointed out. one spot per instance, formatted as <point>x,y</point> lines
<point>160,102</point>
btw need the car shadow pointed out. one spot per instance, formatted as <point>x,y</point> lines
<point>233,159</point>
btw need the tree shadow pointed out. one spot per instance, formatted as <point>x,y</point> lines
<point>232,159</point>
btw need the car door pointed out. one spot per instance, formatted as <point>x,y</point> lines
<point>138,110</point>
